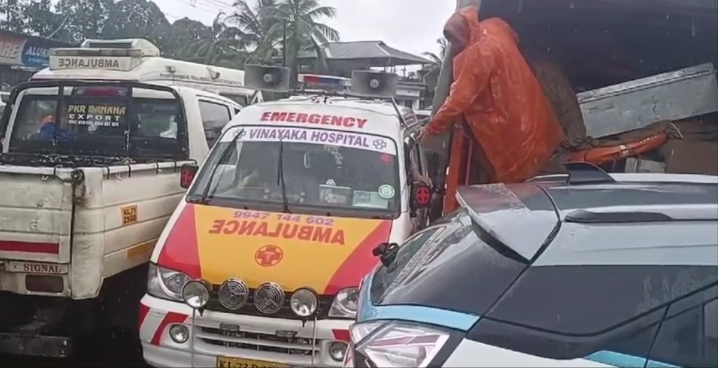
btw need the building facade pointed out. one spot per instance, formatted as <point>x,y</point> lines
<point>21,56</point>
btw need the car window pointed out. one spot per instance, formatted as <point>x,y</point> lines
<point>710,327</point>
<point>99,121</point>
<point>214,117</point>
<point>386,276</point>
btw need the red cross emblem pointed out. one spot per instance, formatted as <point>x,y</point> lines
<point>423,196</point>
<point>269,255</point>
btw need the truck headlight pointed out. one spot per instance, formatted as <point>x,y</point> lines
<point>196,294</point>
<point>165,283</point>
<point>304,302</point>
<point>345,303</point>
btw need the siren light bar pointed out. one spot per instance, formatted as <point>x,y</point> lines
<point>325,81</point>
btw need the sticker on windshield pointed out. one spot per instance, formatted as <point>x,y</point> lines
<point>95,115</point>
<point>365,199</point>
<point>317,136</point>
<point>386,191</point>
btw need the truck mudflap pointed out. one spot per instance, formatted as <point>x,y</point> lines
<point>30,344</point>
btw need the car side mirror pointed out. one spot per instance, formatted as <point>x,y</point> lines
<point>420,196</point>
<point>187,174</point>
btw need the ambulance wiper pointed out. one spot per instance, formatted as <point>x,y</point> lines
<point>225,154</point>
<point>280,178</point>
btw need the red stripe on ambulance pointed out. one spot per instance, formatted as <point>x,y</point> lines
<point>180,251</point>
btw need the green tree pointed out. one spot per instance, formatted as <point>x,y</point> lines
<point>41,20</point>
<point>430,73</point>
<point>183,32</point>
<point>84,18</point>
<point>222,47</point>
<point>136,19</point>
<point>304,29</point>
<point>255,24</point>
<point>13,14</point>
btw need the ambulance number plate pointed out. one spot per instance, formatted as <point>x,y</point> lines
<point>229,362</point>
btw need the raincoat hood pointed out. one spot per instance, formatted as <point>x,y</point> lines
<point>465,25</point>
<point>500,28</point>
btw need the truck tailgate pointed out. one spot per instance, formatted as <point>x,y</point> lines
<point>35,213</point>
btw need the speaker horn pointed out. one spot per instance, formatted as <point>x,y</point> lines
<point>266,78</point>
<point>369,83</point>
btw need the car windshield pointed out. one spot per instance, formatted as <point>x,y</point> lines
<point>322,168</point>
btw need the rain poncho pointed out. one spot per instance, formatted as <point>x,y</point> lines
<point>501,99</point>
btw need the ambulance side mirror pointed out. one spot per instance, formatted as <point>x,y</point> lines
<point>420,196</point>
<point>187,174</point>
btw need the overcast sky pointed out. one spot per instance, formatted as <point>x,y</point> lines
<point>408,25</point>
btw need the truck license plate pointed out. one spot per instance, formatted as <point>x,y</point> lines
<point>228,362</point>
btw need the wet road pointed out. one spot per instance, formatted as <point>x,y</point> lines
<point>109,349</point>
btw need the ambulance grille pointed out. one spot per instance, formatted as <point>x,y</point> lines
<point>249,309</point>
<point>257,342</point>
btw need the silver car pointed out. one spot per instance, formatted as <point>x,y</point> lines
<point>583,270</point>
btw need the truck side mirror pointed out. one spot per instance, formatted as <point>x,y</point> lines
<point>187,174</point>
<point>420,196</point>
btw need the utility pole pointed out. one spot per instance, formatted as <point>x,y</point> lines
<point>284,43</point>
<point>95,16</point>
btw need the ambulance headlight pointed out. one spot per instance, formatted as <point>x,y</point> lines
<point>345,303</point>
<point>304,302</point>
<point>165,283</point>
<point>374,83</point>
<point>196,294</point>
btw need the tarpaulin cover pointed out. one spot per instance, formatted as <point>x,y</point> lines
<point>501,100</point>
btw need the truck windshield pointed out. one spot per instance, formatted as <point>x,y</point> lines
<point>322,168</point>
<point>97,121</point>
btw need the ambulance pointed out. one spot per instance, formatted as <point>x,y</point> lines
<point>91,154</point>
<point>259,264</point>
<point>139,60</point>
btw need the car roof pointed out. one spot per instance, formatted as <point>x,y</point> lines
<point>539,206</point>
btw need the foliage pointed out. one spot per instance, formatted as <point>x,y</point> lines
<point>430,73</point>
<point>254,32</point>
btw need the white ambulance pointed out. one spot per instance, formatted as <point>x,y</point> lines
<point>91,155</point>
<point>260,262</point>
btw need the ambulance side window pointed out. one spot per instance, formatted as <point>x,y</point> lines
<point>214,117</point>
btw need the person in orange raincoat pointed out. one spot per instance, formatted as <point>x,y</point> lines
<point>501,99</point>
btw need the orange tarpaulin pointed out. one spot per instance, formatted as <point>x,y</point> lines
<point>501,99</point>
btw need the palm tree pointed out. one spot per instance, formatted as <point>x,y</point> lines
<point>255,24</point>
<point>430,73</point>
<point>222,48</point>
<point>304,29</point>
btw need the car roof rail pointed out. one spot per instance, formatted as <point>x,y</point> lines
<point>586,173</point>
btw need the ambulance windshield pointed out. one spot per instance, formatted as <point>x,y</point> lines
<point>322,168</point>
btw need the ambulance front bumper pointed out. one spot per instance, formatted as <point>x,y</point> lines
<point>219,335</point>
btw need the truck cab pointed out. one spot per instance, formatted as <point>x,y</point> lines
<point>89,167</point>
<point>633,84</point>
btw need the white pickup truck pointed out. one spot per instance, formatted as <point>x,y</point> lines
<point>90,171</point>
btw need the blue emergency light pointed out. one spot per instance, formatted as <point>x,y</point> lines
<point>324,81</point>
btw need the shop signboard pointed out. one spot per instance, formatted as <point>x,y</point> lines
<point>35,54</point>
<point>11,48</point>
